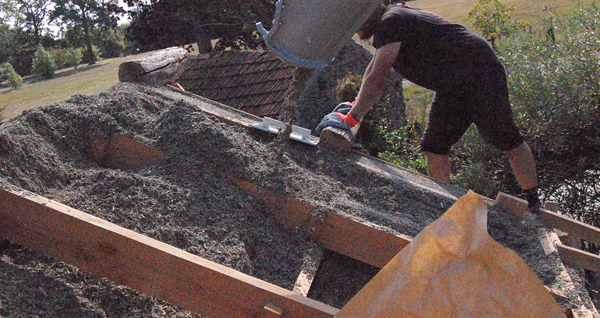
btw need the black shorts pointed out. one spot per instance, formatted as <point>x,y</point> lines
<point>485,103</point>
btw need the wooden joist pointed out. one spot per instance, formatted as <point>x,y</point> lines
<point>142,263</point>
<point>575,228</point>
<point>356,239</point>
<point>353,238</point>
<point>578,257</point>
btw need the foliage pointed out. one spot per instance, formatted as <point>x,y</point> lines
<point>5,68</point>
<point>14,79</point>
<point>43,63</point>
<point>10,76</point>
<point>555,92</point>
<point>28,15</point>
<point>74,57</point>
<point>111,42</point>
<point>231,22</point>
<point>81,17</point>
<point>418,103</point>
<point>60,56</point>
<point>403,147</point>
<point>493,19</point>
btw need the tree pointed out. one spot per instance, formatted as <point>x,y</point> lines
<point>28,15</point>
<point>232,22</point>
<point>43,63</point>
<point>86,15</point>
<point>493,19</point>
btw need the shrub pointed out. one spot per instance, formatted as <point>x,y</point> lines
<point>43,63</point>
<point>74,57</point>
<point>15,80</point>
<point>60,57</point>
<point>10,76</point>
<point>347,89</point>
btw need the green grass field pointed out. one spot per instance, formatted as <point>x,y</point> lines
<point>533,11</point>
<point>88,80</point>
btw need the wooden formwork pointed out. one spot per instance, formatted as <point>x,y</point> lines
<point>205,287</point>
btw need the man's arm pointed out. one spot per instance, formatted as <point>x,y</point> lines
<point>375,78</point>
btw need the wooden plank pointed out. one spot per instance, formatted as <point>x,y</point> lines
<point>142,263</point>
<point>578,257</point>
<point>575,228</point>
<point>290,213</point>
<point>512,204</point>
<point>357,240</point>
<point>308,271</point>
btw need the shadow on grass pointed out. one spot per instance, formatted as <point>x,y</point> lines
<point>62,73</point>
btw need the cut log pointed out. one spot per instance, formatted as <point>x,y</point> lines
<point>159,68</point>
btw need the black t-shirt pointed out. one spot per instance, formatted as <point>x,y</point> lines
<point>435,53</point>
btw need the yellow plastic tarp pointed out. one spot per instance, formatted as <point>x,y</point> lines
<point>454,268</point>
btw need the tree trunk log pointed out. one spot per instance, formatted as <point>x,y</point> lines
<point>158,68</point>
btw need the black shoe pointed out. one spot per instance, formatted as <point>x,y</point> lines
<point>533,200</point>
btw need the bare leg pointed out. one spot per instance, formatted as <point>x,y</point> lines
<point>438,166</point>
<point>523,165</point>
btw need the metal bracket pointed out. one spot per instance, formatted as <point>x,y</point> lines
<point>276,127</point>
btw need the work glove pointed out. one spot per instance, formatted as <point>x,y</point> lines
<point>344,107</point>
<point>337,119</point>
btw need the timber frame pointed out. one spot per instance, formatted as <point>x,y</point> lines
<point>208,288</point>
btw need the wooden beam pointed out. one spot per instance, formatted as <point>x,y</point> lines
<point>134,260</point>
<point>308,271</point>
<point>578,257</point>
<point>512,204</point>
<point>356,239</point>
<point>290,213</point>
<point>576,229</point>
